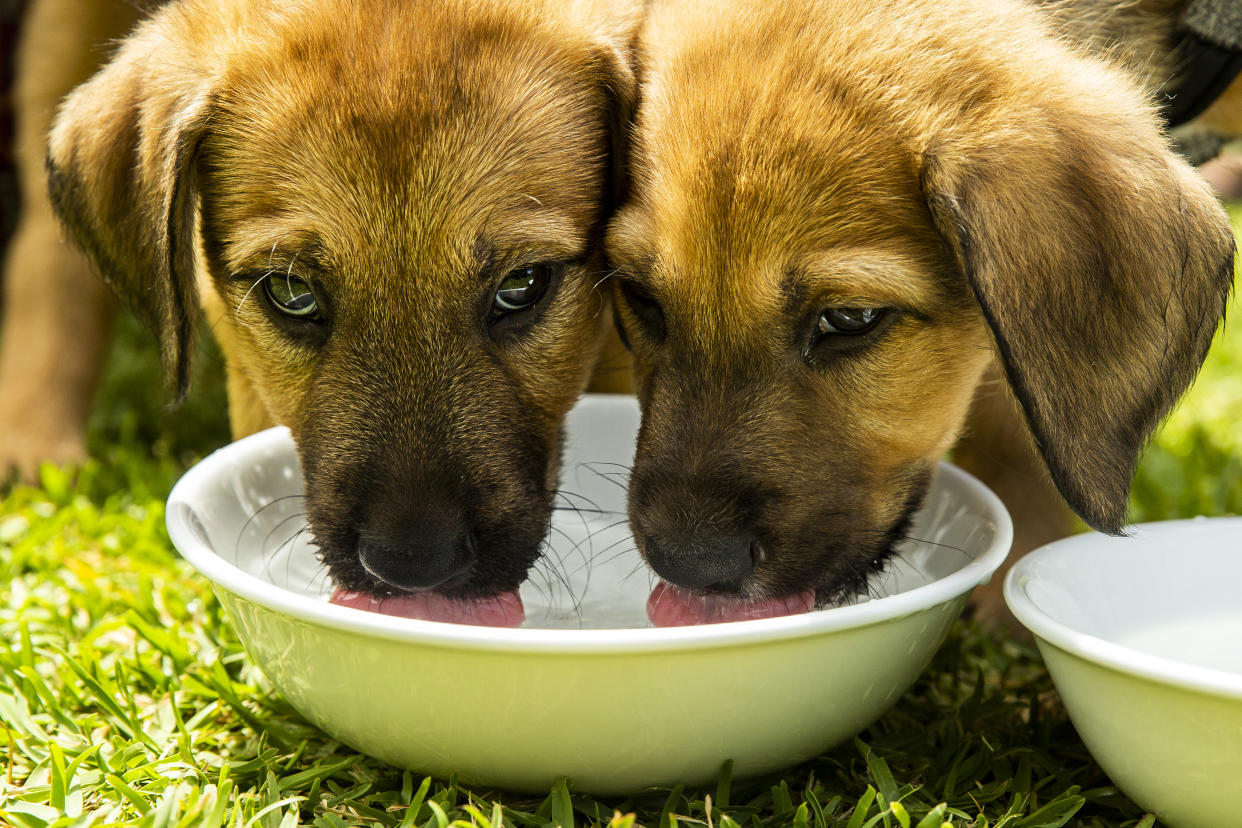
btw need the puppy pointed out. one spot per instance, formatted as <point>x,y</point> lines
<point>845,218</point>
<point>389,213</point>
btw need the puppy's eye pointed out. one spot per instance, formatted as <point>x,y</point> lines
<point>522,288</point>
<point>839,331</point>
<point>291,296</point>
<point>848,321</point>
<point>644,306</point>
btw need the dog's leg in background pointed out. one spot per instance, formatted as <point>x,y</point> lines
<point>1225,117</point>
<point>996,446</point>
<point>57,312</point>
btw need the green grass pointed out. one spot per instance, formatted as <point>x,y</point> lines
<point>126,699</point>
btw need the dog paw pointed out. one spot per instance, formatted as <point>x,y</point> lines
<point>22,453</point>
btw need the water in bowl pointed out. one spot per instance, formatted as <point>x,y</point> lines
<point>590,577</point>
<point>1210,639</point>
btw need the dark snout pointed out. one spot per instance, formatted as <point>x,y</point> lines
<point>710,562</point>
<point>699,503</point>
<point>411,485</point>
<point>700,532</point>
<point>416,544</point>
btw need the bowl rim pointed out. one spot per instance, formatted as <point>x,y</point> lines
<point>560,641</point>
<point>1101,651</point>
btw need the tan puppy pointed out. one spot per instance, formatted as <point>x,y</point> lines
<point>389,213</point>
<point>844,216</point>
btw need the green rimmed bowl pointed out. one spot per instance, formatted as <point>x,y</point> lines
<point>1143,637</point>
<point>585,689</point>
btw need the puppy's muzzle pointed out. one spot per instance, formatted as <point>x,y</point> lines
<point>713,563</point>
<point>696,531</point>
<point>420,550</point>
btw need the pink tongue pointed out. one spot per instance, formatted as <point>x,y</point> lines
<point>672,606</point>
<point>504,610</point>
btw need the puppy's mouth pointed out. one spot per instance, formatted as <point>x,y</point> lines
<point>476,589</point>
<point>847,571</point>
<point>465,598</point>
<point>674,606</point>
<point>500,610</point>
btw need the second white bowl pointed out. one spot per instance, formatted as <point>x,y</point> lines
<point>1143,638</point>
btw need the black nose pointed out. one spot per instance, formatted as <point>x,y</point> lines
<point>719,563</point>
<point>416,554</point>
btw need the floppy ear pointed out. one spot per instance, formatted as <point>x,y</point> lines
<point>121,175</point>
<point>1102,264</point>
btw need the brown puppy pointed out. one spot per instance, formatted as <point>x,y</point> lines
<point>389,213</point>
<point>844,216</point>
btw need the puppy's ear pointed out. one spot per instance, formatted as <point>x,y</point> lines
<point>1102,264</point>
<point>121,175</point>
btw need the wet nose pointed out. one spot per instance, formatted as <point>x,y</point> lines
<point>712,562</point>
<point>416,554</point>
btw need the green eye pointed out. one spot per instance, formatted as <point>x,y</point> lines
<point>291,296</point>
<point>522,288</point>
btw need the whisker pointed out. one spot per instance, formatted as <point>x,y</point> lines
<point>242,532</point>
<point>250,290</point>
<point>289,559</point>
<point>593,463</point>
<point>639,567</point>
<point>563,576</point>
<point>544,591</point>
<point>550,571</point>
<point>595,554</point>
<point>269,559</point>
<point>574,546</point>
<point>941,545</point>
<point>267,538</point>
<point>581,513</point>
<point>595,507</point>
<point>609,476</point>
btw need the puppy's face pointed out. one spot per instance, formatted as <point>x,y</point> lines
<point>805,356</point>
<point>403,241</point>
<point>398,208</point>
<point>829,241</point>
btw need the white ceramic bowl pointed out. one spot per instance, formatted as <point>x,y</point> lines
<point>1143,637</point>
<point>615,709</point>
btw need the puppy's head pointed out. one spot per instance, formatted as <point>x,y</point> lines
<point>393,209</point>
<point>833,234</point>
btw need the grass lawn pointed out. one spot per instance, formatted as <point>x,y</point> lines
<point>125,697</point>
